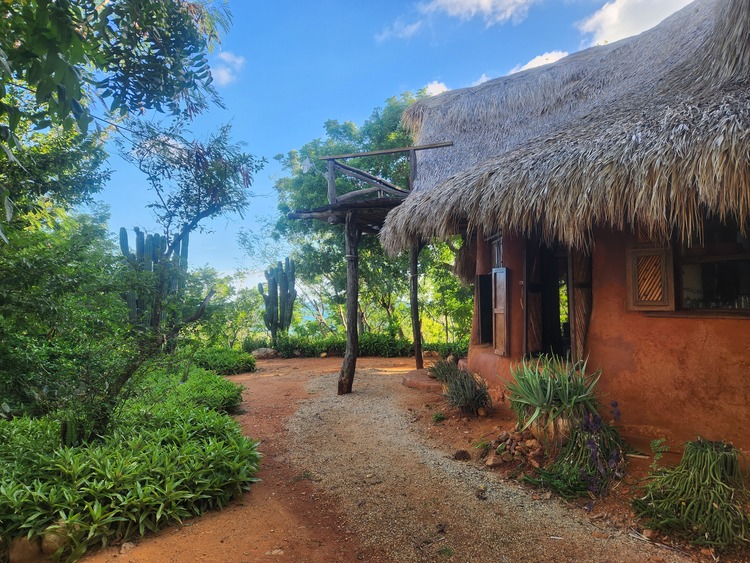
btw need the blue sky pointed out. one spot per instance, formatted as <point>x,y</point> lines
<point>287,66</point>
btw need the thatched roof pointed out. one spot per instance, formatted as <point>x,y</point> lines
<point>652,129</point>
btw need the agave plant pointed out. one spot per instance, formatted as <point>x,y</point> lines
<point>550,394</point>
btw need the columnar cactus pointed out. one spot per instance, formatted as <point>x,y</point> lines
<point>280,298</point>
<point>151,256</point>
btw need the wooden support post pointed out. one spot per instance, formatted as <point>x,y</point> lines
<point>331,182</point>
<point>412,169</point>
<point>352,234</point>
<point>414,300</point>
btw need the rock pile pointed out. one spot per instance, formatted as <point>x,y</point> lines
<point>511,447</point>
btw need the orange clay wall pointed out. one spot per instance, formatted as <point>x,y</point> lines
<point>673,377</point>
<point>482,358</point>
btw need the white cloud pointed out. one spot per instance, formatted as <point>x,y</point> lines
<point>622,18</point>
<point>540,60</point>
<point>481,80</point>
<point>226,71</point>
<point>493,11</point>
<point>434,88</point>
<point>399,30</point>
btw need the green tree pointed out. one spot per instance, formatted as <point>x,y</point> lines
<point>59,60</point>
<point>63,330</point>
<point>192,181</point>
<point>447,305</point>
<point>233,314</point>
<point>136,55</point>
<point>318,248</point>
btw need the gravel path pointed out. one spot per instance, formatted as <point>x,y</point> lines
<point>410,501</point>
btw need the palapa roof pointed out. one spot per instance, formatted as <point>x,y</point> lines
<point>653,129</point>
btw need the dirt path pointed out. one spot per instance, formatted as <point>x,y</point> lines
<point>370,477</point>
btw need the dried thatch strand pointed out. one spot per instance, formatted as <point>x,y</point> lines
<point>594,140</point>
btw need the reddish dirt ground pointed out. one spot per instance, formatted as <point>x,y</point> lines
<point>282,517</point>
<point>286,517</point>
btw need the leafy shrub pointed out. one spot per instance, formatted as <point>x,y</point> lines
<point>296,346</point>
<point>370,344</point>
<point>381,345</point>
<point>253,343</point>
<point>168,457</point>
<point>701,499</point>
<point>198,388</point>
<point>384,346</point>
<point>224,361</point>
<point>464,390</point>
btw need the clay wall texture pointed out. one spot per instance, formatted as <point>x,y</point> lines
<point>673,376</point>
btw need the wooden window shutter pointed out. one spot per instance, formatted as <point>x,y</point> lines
<point>500,313</point>
<point>650,277</point>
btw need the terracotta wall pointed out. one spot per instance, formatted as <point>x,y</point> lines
<point>482,358</point>
<point>672,377</point>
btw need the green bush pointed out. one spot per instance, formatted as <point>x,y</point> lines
<point>224,361</point>
<point>384,346</point>
<point>462,389</point>
<point>253,343</point>
<point>557,397</point>
<point>168,457</point>
<point>458,349</point>
<point>701,499</point>
<point>372,344</point>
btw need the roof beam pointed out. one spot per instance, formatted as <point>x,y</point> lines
<point>387,151</point>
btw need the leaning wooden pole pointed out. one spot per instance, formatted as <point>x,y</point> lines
<point>352,235</point>
<point>416,324</point>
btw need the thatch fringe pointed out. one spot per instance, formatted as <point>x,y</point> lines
<point>594,140</point>
<point>662,172</point>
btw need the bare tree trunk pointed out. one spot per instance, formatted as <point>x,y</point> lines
<point>352,233</point>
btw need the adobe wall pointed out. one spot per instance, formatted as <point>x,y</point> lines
<point>672,377</point>
<point>482,358</point>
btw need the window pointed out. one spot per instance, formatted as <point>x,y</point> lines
<point>711,272</point>
<point>715,273</point>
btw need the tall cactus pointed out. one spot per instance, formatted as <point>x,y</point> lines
<point>151,256</point>
<point>279,301</point>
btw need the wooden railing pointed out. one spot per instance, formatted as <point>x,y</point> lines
<point>379,185</point>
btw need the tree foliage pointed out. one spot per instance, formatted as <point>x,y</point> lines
<point>134,55</point>
<point>192,180</point>
<point>318,248</point>
<point>63,338</point>
<point>61,60</point>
